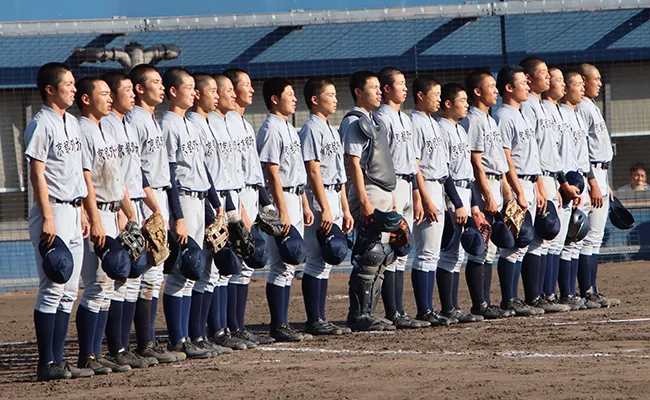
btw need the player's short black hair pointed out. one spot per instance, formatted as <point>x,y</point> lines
<point>139,73</point>
<point>387,76</point>
<point>85,85</point>
<point>570,73</point>
<point>636,167</point>
<point>506,76</point>
<point>114,79</point>
<point>274,87</point>
<point>449,92</point>
<point>201,79</point>
<point>173,77</point>
<point>50,74</point>
<point>358,80</point>
<point>234,74</point>
<point>423,84</point>
<point>530,64</point>
<point>474,81</point>
<point>315,87</point>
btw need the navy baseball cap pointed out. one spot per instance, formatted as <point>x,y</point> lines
<point>57,260</point>
<point>333,245</point>
<point>139,266</point>
<point>471,239</point>
<point>261,256</point>
<point>115,260</point>
<point>173,262</point>
<point>576,179</point>
<point>227,261</point>
<point>449,235</point>
<point>526,233</point>
<point>292,248</point>
<point>547,225</point>
<point>619,215</point>
<point>386,221</point>
<point>502,237</point>
<point>192,260</point>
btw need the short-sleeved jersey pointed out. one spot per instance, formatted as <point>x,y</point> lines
<point>321,142</point>
<point>429,146</point>
<point>545,133</point>
<point>56,141</point>
<point>578,129</point>
<point>251,165</point>
<point>153,151</point>
<point>400,138</point>
<point>563,129</point>
<point>484,138</point>
<point>459,154</point>
<point>600,144</point>
<point>128,152</point>
<point>278,143</point>
<point>99,156</point>
<point>354,141</point>
<point>347,120</point>
<point>519,136</point>
<point>185,148</point>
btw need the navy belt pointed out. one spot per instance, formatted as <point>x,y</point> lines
<point>224,193</point>
<point>195,194</point>
<point>337,187</point>
<point>551,174</point>
<point>299,190</point>
<point>256,186</point>
<point>531,178</point>
<point>112,206</point>
<point>407,178</point>
<point>601,165</point>
<point>74,203</point>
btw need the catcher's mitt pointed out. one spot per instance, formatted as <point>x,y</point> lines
<point>132,240</point>
<point>216,234</point>
<point>269,223</point>
<point>513,216</point>
<point>485,229</point>
<point>241,239</point>
<point>155,234</point>
<point>402,236</point>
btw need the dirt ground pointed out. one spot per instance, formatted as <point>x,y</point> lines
<point>596,354</point>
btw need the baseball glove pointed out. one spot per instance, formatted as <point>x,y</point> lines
<point>216,234</point>
<point>155,235</point>
<point>513,216</point>
<point>241,239</point>
<point>485,229</point>
<point>401,237</point>
<point>132,240</point>
<point>269,223</point>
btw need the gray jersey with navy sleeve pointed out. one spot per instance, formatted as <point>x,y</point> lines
<point>578,128</point>
<point>128,152</point>
<point>153,149</point>
<point>600,144</point>
<point>251,165</point>
<point>99,156</point>
<point>563,129</point>
<point>429,146</point>
<point>518,136</point>
<point>484,137</point>
<point>184,147</point>
<point>56,141</point>
<point>320,142</point>
<point>545,133</point>
<point>457,144</point>
<point>278,143</point>
<point>400,138</point>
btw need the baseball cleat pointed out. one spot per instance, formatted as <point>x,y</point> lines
<point>224,338</point>
<point>115,367</point>
<point>130,359</point>
<point>186,346</point>
<point>94,365</point>
<point>462,316</point>
<point>52,371</point>
<point>489,311</point>
<point>574,303</point>
<point>404,321</point>
<point>284,333</point>
<point>520,308</point>
<point>365,323</point>
<point>321,327</point>
<point>250,344</point>
<point>153,350</point>
<point>255,338</point>
<point>548,306</point>
<point>77,372</point>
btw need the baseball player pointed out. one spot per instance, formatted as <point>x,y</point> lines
<point>537,259</point>
<point>249,196</point>
<point>400,138</point>
<point>149,93</point>
<point>522,154</point>
<point>490,168</point>
<point>189,187</point>
<point>455,141</point>
<point>322,153</point>
<point>278,146</point>
<point>107,194</point>
<point>600,156</point>
<point>53,151</point>
<point>372,176</point>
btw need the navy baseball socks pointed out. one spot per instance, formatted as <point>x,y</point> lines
<point>231,312</point>
<point>399,291</point>
<point>196,311</point>
<point>311,297</point>
<point>275,299</point>
<point>173,309</point>
<point>474,275</point>
<point>205,312</point>
<point>530,274</point>
<point>323,297</point>
<point>515,279</point>
<point>564,279</point>
<point>214,317</point>
<point>187,305</point>
<point>141,321</point>
<point>506,270</point>
<point>445,281</point>
<point>543,271</point>
<point>128,314</point>
<point>114,328</point>
<point>584,274</point>
<point>45,326</point>
<point>487,282</point>
<point>102,322</point>
<point>420,279</point>
<point>431,283</point>
<point>549,288</point>
<point>152,318</point>
<point>388,294</point>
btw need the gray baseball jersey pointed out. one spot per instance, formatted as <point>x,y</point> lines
<point>563,129</point>
<point>56,141</point>
<point>278,143</point>
<point>128,151</point>
<point>484,137</point>
<point>99,156</point>
<point>429,146</point>
<point>153,149</point>
<point>345,122</point>
<point>251,165</point>
<point>518,135</point>
<point>400,138</point>
<point>321,142</point>
<point>354,141</point>
<point>456,143</point>
<point>547,137</point>
<point>184,147</point>
<point>578,129</point>
<point>600,144</point>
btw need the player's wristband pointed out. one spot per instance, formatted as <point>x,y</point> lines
<point>452,193</point>
<point>414,182</point>
<point>561,178</point>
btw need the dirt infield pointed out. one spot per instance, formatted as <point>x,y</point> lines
<point>597,354</point>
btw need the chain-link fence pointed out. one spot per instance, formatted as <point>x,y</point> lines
<point>444,41</point>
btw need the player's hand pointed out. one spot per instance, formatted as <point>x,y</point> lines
<point>366,210</point>
<point>611,192</point>
<point>85,226</point>
<point>491,206</point>
<point>541,203</point>
<point>286,221</point>
<point>181,231</point>
<point>477,214</point>
<point>430,211</point>
<point>521,201</point>
<point>325,222</point>
<point>97,234</point>
<point>418,211</point>
<point>461,216</point>
<point>348,222</point>
<point>577,202</point>
<point>220,211</point>
<point>596,196</point>
<point>48,231</point>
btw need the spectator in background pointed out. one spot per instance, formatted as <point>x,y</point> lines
<point>637,179</point>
